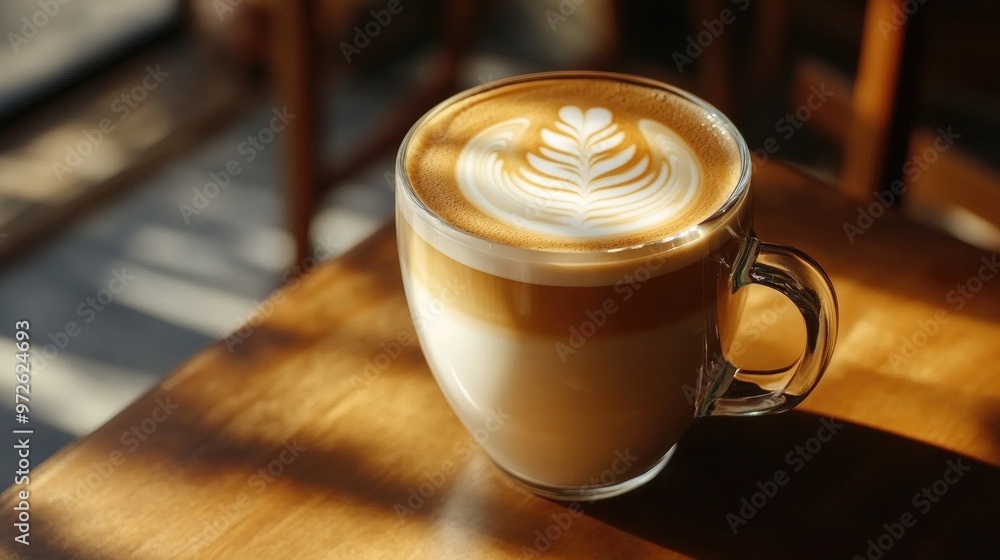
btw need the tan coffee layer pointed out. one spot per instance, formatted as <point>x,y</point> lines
<point>432,155</point>
<point>640,299</point>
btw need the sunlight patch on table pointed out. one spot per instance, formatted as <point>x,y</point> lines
<point>76,394</point>
<point>214,313</point>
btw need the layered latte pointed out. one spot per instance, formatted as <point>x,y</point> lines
<point>562,250</point>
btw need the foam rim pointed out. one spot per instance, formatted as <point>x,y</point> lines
<point>576,257</point>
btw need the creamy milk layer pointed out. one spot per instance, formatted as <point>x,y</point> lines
<point>573,164</point>
<point>570,416</point>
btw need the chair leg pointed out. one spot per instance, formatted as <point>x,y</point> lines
<point>293,69</point>
<point>884,100</point>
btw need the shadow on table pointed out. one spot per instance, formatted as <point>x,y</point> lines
<point>769,487</point>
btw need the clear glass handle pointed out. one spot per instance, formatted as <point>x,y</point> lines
<point>738,392</point>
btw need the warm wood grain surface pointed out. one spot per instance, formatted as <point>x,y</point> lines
<point>350,452</point>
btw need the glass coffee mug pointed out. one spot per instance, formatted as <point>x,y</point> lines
<point>579,369</point>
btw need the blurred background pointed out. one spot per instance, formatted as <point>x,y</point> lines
<point>166,164</point>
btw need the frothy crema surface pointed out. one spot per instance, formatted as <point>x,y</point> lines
<point>573,164</point>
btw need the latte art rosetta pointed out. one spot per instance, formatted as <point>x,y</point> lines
<point>591,177</point>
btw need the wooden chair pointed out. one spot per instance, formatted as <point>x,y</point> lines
<point>873,127</point>
<point>289,36</point>
<point>296,71</point>
<point>872,118</point>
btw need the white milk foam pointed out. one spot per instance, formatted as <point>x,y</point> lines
<point>584,180</point>
<point>573,165</point>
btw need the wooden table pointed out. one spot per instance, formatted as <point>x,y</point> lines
<point>323,434</point>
